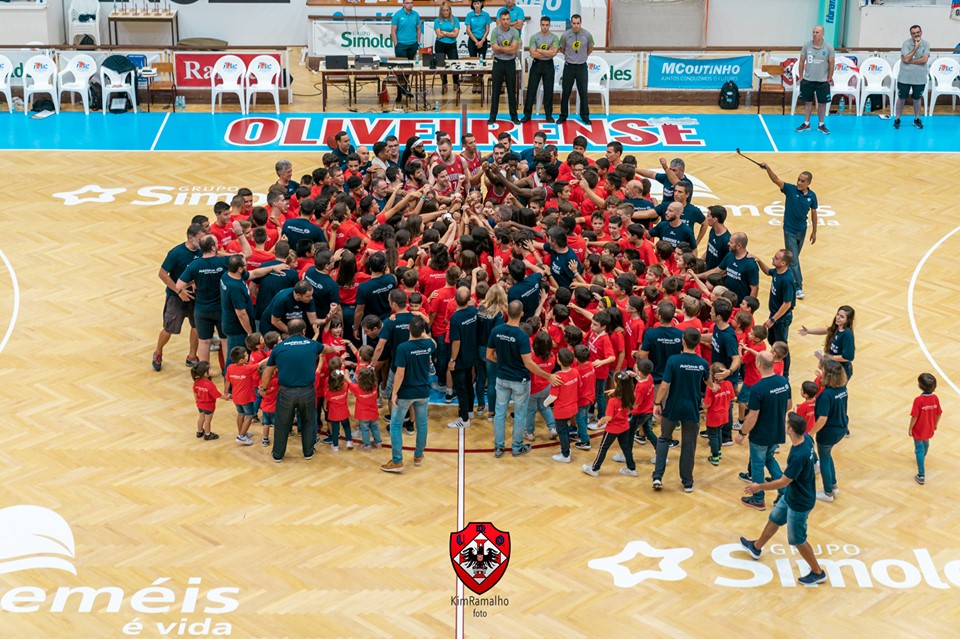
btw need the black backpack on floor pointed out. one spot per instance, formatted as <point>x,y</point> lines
<point>729,95</point>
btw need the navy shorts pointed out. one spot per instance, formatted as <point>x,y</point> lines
<point>904,90</point>
<point>808,89</point>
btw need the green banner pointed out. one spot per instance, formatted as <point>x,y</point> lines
<point>830,16</point>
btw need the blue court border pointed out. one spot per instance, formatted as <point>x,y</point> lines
<point>297,132</point>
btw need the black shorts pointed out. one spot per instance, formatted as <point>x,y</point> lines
<point>175,310</point>
<point>206,322</point>
<point>904,90</point>
<point>808,89</point>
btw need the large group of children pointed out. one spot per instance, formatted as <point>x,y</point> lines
<point>483,230</point>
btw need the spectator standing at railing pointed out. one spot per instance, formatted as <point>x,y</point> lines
<point>914,55</point>
<point>815,73</point>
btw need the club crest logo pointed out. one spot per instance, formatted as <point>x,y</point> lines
<point>480,554</point>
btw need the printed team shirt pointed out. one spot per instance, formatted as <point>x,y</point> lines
<point>914,73</point>
<point>504,39</point>
<point>544,42</point>
<point>566,393</point>
<point>926,409</point>
<point>206,394</point>
<point>817,61</point>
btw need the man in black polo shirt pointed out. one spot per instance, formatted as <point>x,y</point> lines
<point>661,342</point>
<point>525,288</point>
<point>741,273</point>
<point>293,303</point>
<point>463,354</point>
<point>411,390</point>
<point>783,297</point>
<point>301,228</point>
<point>800,496</point>
<point>295,359</point>
<point>672,229</point>
<point>678,402</point>
<point>373,295</point>
<point>768,405</point>
<point>178,306</point>
<point>325,289</point>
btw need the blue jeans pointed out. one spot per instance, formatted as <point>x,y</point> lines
<point>827,471</point>
<point>761,458</point>
<point>601,399</point>
<point>397,415</point>
<point>582,433</point>
<point>780,332</point>
<point>793,242</point>
<point>491,383</point>
<point>519,392</point>
<point>335,431</point>
<point>368,426</point>
<point>796,522</point>
<point>535,405</point>
<point>920,447</point>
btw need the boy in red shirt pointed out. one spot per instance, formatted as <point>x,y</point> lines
<point>642,417</point>
<point>206,394</point>
<point>754,341</point>
<point>268,404</point>
<point>338,413</point>
<point>617,427</point>
<point>439,320</point>
<point>601,356</point>
<point>563,398</point>
<point>240,380</point>
<point>924,418</point>
<point>809,390</point>
<point>717,400</point>
<point>586,392</point>
<point>365,409</point>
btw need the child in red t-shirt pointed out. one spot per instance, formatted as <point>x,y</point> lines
<point>268,404</point>
<point>805,409</point>
<point>542,355</point>
<point>564,398</point>
<point>338,413</point>
<point>586,393</point>
<point>717,400</point>
<point>753,342</point>
<point>365,410</point>
<point>602,357</point>
<point>641,420</point>
<point>206,394</point>
<point>240,380</point>
<point>924,418</point>
<point>616,425</point>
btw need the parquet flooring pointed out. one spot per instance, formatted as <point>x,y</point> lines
<point>335,548</point>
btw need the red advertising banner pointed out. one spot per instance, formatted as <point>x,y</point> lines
<point>193,69</point>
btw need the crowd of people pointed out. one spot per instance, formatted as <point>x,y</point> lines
<point>561,287</point>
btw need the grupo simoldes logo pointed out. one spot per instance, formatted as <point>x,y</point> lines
<point>155,195</point>
<point>36,538</point>
<point>844,564</point>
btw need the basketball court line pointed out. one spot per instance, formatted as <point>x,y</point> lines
<point>912,314</point>
<point>16,301</point>
<point>461,505</point>
<point>160,131</point>
<point>770,137</point>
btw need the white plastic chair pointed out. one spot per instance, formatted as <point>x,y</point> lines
<point>113,82</point>
<point>91,28</point>
<point>6,70</point>
<point>878,79</point>
<point>557,79</point>
<point>598,81</point>
<point>846,81</point>
<point>40,76</point>
<point>231,70</point>
<point>80,68</point>
<point>943,72</point>
<point>265,72</point>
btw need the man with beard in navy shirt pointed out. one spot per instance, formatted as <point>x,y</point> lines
<point>782,300</point>
<point>799,201</point>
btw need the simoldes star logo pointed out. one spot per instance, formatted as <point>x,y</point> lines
<point>72,198</point>
<point>35,537</point>
<point>480,554</point>
<point>669,569</point>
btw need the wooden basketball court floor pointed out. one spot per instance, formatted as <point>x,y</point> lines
<point>335,548</point>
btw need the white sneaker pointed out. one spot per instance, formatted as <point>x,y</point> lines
<point>560,458</point>
<point>799,293</point>
<point>459,424</point>
<point>619,458</point>
<point>737,424</point>
<point>349,443</point>
<point>629,473</point>
<point>822,496</point>
<point>335,449</point>
<point>553,433</point>
<point>588,469</point>
<point>593,426</point>
<point>215,343</point>
<point>244,441</point>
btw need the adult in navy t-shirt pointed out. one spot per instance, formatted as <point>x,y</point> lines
<point>301,228</point>
<point>527,290</point>
<point>325,290</point>
<point>718,246</point>
<point>742,274</point>
<point>177,260</point>
<point>235,296</point>
<point>844,345</point>
<point>564,267</point>
<point>463,327</point>
<point>373,296</point>
<point>685,373</point>
<point>413,356</point>
<point>674,234</point>
<point>660,343</point>
<point>769,397</point>
<point>269,285</point>
<point>396,330</point>
<point>801,492</point>
<point>511,343</point>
